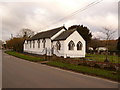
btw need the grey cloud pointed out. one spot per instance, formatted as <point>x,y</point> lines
<point>22,15</point>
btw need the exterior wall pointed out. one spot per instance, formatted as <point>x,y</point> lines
<point>36,50</point>
<point>75,37</point>
<point>58,52</point>
<point>64,46</point>
<point>50,47</point>
<point>25,46</point>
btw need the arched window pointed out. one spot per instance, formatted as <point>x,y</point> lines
<point>71,45</point>
<point>58,45</point>
<point>33,44</point>
<point>30,44</point>
<point>43,43</point>
<point>79,46</point>
<point>38,43</point>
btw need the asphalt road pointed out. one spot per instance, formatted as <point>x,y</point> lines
<point>0,68</point>
<point>18,73</point>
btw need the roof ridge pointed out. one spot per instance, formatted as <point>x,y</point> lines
<point>64,35</point>
<point>48,33</point>
<point>73,29</point>
<point>52,29</point>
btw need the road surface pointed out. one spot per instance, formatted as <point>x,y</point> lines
<point>0,69</point>
<point>18,73</point>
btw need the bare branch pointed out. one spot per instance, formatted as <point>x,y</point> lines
<point>108,32</point>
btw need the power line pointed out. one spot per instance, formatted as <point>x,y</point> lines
<point>80,10</point>
<point>76,12</point>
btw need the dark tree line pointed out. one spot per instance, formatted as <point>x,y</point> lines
<point>118,46</point>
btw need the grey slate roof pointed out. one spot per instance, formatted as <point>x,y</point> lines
<point>47,34</point>
<point>64,35</point>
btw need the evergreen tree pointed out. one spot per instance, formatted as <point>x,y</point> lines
<point>118,46</point>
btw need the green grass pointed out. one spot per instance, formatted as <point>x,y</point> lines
<point>87,70</point>
<point>113,59</point>
<point>23,56</point>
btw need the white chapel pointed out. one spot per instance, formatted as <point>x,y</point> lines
<point>58,41</point>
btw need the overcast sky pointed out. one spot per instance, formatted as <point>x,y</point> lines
<point>40,15</point>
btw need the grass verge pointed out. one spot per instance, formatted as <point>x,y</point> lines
<point>101,58</point>
<point>23,56</point>
<point>87,70</point>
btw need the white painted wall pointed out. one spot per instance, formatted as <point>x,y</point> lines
<point>74,53</point>
<point>64,46</point>
<point>41,50</point>
<point>37,50</point>
<point>61,51</point>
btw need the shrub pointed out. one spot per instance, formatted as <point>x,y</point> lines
<point>112,67</point>
<point>117,68</point>
<point>92,64</point>
<point>97,65</point>
<point>83,62</point>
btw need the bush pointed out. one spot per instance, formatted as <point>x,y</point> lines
<point>117,68</point>
<point>92,64</point>
<point>112,67</point>
<point>16,44</point>
<point>97,66</point>
<point>83,62</point>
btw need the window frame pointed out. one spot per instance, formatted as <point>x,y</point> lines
<point>58,45</point>
<point>71,45</point>
<point>79,45</point>
<point>30,44</point>
<point>33,43</point>
<point>38,43</point>
<point>43,41</point>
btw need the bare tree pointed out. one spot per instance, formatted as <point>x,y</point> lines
<point>27,33</point>
<point>16,43</point>
<point>108,35</point>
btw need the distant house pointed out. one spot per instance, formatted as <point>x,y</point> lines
<point>58,41</point>
<point>101,49</point>
<point>90,48</point>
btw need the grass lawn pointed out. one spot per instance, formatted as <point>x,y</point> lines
<point>113,59</point>
<point>23,56</point>
<point>87,70</point>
